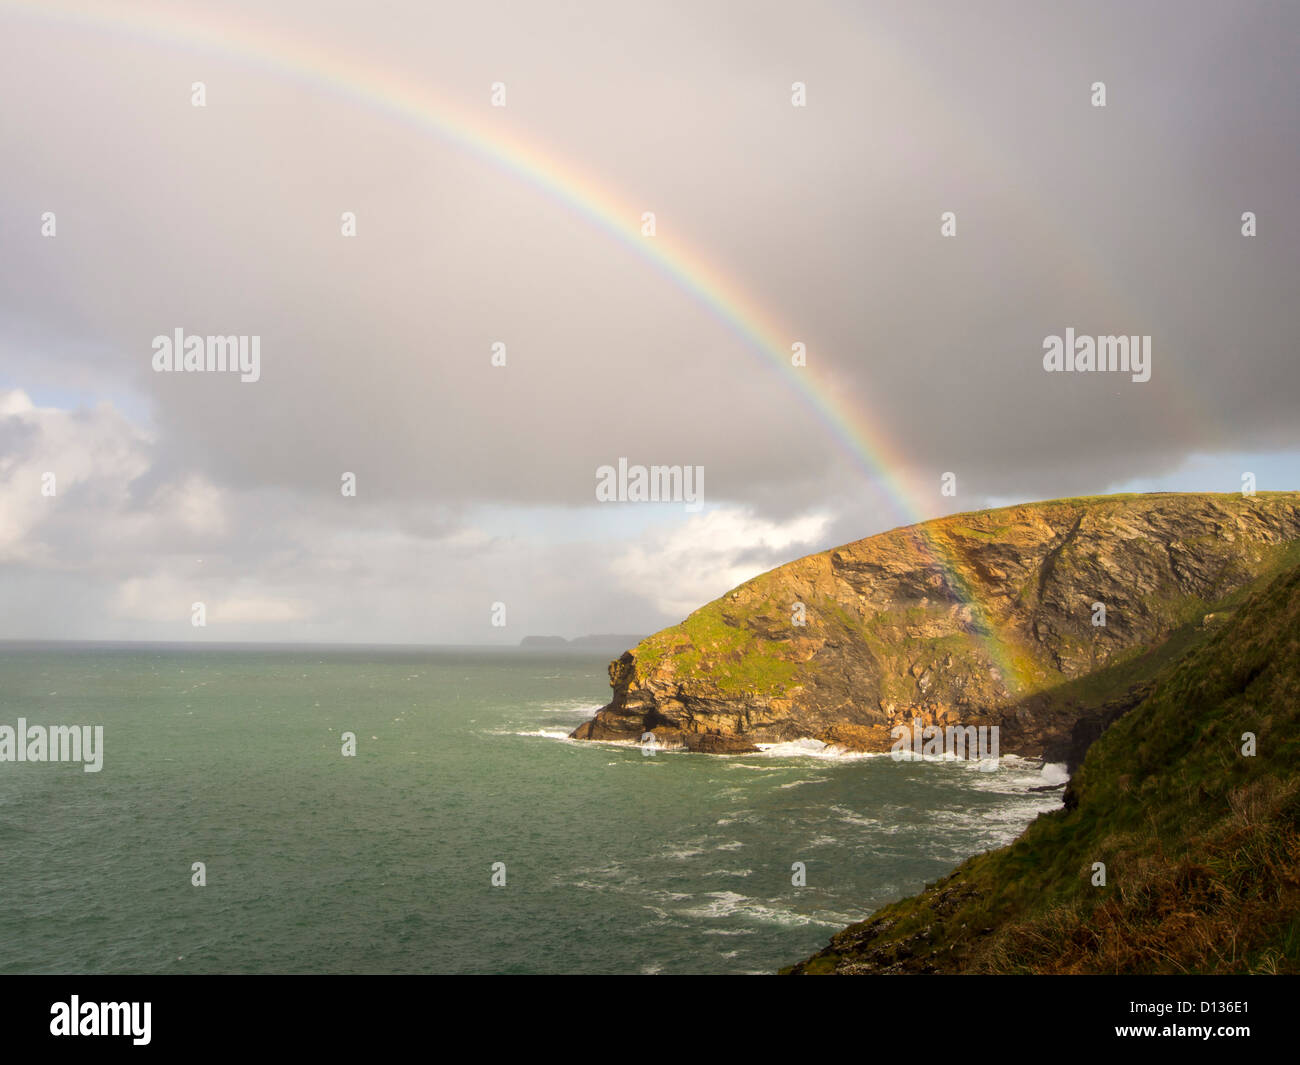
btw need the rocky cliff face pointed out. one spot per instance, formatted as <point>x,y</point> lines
<point>984,618</point>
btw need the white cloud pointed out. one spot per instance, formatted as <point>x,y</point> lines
<point>93,456</point>
<point>681,568</point>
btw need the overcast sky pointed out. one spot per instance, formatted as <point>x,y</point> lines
<point>475,483</point>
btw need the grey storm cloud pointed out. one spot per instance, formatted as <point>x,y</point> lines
<point>375,349</point>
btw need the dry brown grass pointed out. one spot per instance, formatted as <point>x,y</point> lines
<point>1215,907</point>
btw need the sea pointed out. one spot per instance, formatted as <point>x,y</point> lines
<point>229,832</point>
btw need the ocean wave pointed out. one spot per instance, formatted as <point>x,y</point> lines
<point>724,904</point>
<point>807,747</point>
<point>851,817</point>
<point>683,853</point>
<point>537,733</point>
<point>1012,777</point>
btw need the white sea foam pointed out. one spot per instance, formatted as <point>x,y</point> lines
<point>800,783</point>
<point>850,817</point>
<point>723,904</point>
<point>542,733</point>
<point>1018,775</point>
<point>810,748</point>
<point>669,896</point>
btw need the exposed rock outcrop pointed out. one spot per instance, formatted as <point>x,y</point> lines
<point>981,618</point>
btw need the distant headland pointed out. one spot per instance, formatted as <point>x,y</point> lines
<point>599,642</point>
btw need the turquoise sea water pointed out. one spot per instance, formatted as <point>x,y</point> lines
<point>615,862</point>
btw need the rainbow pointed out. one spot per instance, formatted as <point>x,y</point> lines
<point>332,74</point>
<point>854,428</point>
